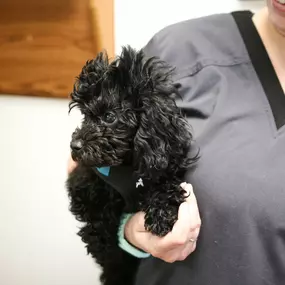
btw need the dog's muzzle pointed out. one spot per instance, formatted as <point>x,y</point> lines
<point>76,145</point>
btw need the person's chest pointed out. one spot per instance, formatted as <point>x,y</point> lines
<point>239,180</point>
<point>240,177</point>
<point>242,148</point>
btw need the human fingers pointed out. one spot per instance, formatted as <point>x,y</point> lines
<point>182,252</point>
<point>71,165</point>
<point>187,250</point>
<point>180,229</point>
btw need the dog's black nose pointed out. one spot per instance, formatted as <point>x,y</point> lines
<point>76,145</point>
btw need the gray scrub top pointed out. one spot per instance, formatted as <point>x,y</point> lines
<point>235,103</point>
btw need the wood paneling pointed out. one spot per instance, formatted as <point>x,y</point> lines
<point>44,44</point>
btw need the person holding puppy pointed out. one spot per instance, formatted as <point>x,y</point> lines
<point>231,69</point>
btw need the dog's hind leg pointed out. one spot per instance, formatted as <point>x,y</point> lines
<point>120,269</point>
<point>100,207</point>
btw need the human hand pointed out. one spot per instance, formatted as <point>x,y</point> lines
<point>71,165</point>
<point>178,243</point>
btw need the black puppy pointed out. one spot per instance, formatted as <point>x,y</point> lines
<point>132,151</point>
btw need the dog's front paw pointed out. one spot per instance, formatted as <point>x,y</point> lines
<point>161,208</point>
<point>160,221</point>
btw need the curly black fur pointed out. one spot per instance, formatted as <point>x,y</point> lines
<point>130,117</point>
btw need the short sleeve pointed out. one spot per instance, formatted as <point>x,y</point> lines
<point>178,46</point>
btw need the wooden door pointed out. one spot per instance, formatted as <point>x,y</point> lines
<point>44,44</point>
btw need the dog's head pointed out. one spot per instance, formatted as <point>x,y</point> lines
<point>129,113</point>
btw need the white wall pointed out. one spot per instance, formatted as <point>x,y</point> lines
<point>38,244</point>
<point>137,20</point>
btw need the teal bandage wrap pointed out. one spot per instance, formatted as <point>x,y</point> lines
<point>123,243</point>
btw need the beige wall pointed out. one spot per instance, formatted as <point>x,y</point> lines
<point>38,244</point>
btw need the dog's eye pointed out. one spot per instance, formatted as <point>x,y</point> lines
<point>109,117</point>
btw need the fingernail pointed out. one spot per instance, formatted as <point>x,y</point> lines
<point>189,189</point>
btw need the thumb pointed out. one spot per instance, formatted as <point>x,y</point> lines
<point>180,227</point>
<point>190,195</point>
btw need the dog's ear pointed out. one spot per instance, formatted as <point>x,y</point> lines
<point>163,136</point>
<point>90,82</point>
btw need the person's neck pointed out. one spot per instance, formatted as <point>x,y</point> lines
<point>272,38</point>
<point>274,42</point>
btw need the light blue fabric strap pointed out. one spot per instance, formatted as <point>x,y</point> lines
<point>123,243</point>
